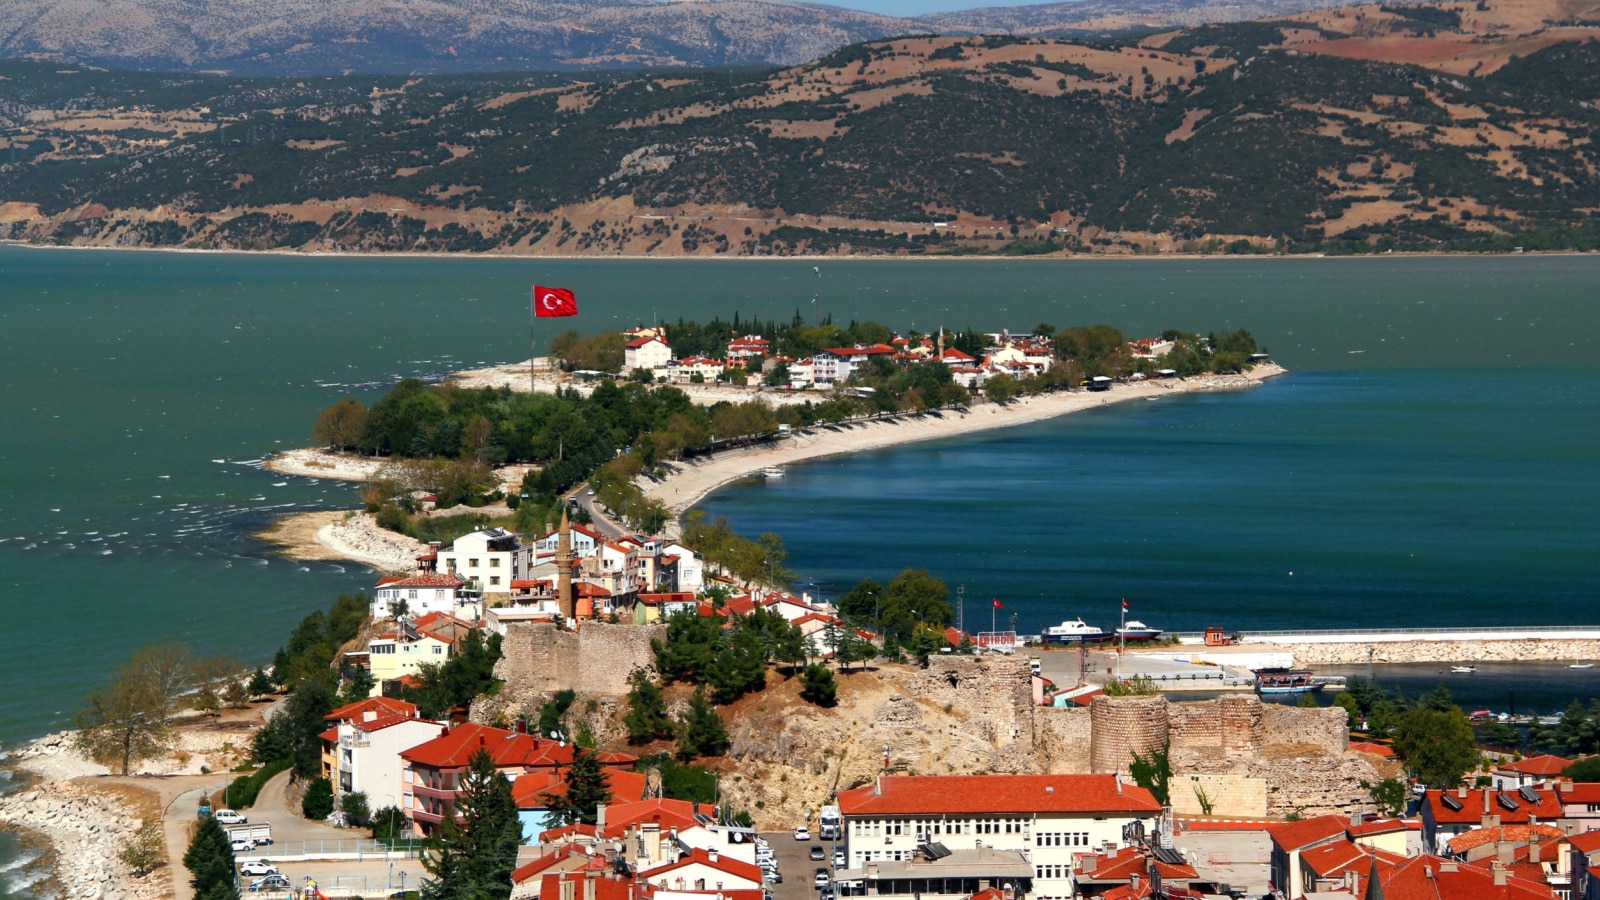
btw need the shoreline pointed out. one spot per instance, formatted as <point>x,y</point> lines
<point>689,483</point>
<point>340,535</point>
<point>514,257</point>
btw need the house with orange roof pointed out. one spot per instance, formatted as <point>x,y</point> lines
<point>1101,874</point>
<point>1049,818</point>
<point>1580,804</point>
<point>837,364</point>
<point>1290,840</point>
<point>361,752</point>
<point>528,879</point>
<point>489,560</point>
<point>743,349</point>
<point>532,791</point>
<point>702,871</point>
<point>1448,813</point>
<point>586,884</point>
<point>1509,775</point>
<point>423,593</point>
<point>401,652</point>
<point>1390,835</point>
<point>1433,878</point>
<point>684,370</point>
<point>649,352</point>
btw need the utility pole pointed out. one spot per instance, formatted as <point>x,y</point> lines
<point>961,608</point>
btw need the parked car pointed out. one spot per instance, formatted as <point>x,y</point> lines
<point>242,846</point>
<point>258,867</point>
<point>827,894</point>
<point>229,817</point>
<point>271,883</point>
<point>817,852</point>
<point>772,876</point>
<point>821,880</point>
<point>838,859</point>
<point>802,833</point>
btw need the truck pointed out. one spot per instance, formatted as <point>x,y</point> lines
<point>828,824</point>
<point>257,833</point>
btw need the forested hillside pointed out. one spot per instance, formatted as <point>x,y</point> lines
<point>1445,127</point>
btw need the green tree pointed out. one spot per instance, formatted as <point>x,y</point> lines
<point>340,426</point>
<point>476,847</point>
<point>646,718</point>
<point>1389,795</point>
<point>358,686</point>
<point>260,683</point>
<point>317,804</point>
<point>305,718</point>
<point>209,859</point>
<point>1352,710</point>
<point>124,723</point>
<point>700,728</point>
<point>356,808</point>
<point>1584,770</point>
<point>914,598</point>
<point>553,711</point>
<point>586,788</point>
<point>387,824</point>
<point>271,742</point>
<point>862,601</point>
<point>817,685</point>
<point>144,849</point>
<point>1001,388</point>
<point>1436,745</point>
<point>1154,773</point>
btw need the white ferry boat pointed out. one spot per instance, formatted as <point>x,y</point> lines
<point>1075,631</point>
<point>1136,630</point>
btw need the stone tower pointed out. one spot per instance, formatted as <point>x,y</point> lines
<point>564,561</point>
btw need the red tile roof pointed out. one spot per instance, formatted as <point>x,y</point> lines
<point>529,790</point>
<point>1476,802</point>
<point>1585,841</point>
<point>566,831</point>
<point>427,580</point>
<point>381,706</point>
<point>549,860</point>
<point>980,794</point>
<point>508,749</point>
<point>331,735</point>
<point>640,342</point>
<point>382,722</point>
<point>604,888</point>
<point>1128,861</point>
<point>1381,826</point>
<point>1580,792</point>
<point>1543,766</point>
<point>666,813</point>
<point>701,856</point>
<point>1517,834</point>
<point>1292,836</point>
<point>1431,878</point>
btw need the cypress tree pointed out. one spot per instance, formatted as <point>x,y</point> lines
<point>210,860</point>
<point>700,729</point>
<point>477,846</point>
<point>646,718</point>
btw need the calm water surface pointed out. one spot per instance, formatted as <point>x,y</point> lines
<point>1432,459</point>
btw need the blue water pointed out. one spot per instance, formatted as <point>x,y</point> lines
<point>1318,500</point>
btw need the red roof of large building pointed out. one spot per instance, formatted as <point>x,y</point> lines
<point>604,888</point>
<point>1292,836</point>
<point>663,812</point>
<point>1431,878</point>
<point>1481,802</point>
<point>1543,766</point>
<point>1584,792</point>
<point>981,794</point>
<point>1585,841</point>
<point>570,854</point>
<point>508,749</point>
<point>702,856</point>
<point>529,790</point>
<point>640,342</point>
<point>1129,861</point>
<point>373,708</point>
<point>425,580</point>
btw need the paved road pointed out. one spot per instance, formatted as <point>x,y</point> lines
<point>794,864</point>
<point>602,522</point>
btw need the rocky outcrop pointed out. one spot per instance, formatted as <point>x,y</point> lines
<point>86,829</point>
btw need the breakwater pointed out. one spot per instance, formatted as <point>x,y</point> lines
<point>1571,643</point>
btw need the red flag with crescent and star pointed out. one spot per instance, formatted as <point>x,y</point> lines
<point>553,302</point>
<point>999,605</point>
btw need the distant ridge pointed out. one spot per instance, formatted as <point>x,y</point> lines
<point>318,37</point>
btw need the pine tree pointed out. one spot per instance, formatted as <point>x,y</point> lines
<point>817,685</point>
<point>646,718</point>
<point>318,801</point>
<point>700,729</point>
<point>260,683</point>
<point>477,845</point>
<point>210,858</point>
<point>587,788</point>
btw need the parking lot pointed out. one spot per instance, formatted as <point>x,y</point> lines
<point>796,866</point>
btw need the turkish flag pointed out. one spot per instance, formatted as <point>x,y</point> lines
<point>1124,604</point>
<point>999,605</point>
<point>553,302</point>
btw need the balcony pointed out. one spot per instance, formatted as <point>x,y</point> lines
<point>423,790</point>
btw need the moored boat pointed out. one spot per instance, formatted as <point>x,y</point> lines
<point>1135,630</point>
<point>1286,681</point>
<point>1074,631</point>
<point>772,472</point>
<point>1463,670</point>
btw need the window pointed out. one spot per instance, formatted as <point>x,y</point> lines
<point>494,563</point>
<point>472,563</point>
<point>494,579</point>
<point>438,650</point>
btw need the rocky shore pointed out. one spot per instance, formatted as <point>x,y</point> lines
<point>84,827</point>
<point>1423,650</point>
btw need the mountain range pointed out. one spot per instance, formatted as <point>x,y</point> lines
<point>319,37</point>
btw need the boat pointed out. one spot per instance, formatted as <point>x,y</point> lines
<point>1074,631</point>
<point>1581,666</point>
<point>1463,670</point>
<point>772,472</point>
<point>1286,681</point>
<point>1135,630</point>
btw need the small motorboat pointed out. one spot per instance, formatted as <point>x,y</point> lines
<point>1581,666</point>
<point>1286,681</point>
<point>772,472</point>
<point>1463,670</point>
<point>1138,631</point>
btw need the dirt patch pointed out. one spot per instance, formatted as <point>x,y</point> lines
<point>1185,131</point>
<point>311,145</point>
<point>820,129</point>
<point>142,802</point>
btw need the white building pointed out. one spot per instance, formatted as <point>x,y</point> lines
<point>646,353</point>
<point>685,369</point>
<point>489,559</point>
<point>368,750</point>
<point>423,593</point>
<point>1048,818</point>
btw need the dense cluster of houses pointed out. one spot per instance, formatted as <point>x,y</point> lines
<point>749,357</point>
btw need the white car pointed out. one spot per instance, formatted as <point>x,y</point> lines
<point>243,846</point>
<point>838,859</point>
<point>229,817</point>
<point>802,833</point>
<point>258,867</point>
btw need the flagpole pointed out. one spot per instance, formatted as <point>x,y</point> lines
<point>533,344</point>
<point>1122,638</point>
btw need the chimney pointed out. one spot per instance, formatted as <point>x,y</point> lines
<point>1448,865</point>
<point>600,820</point>
<point>522,726</point>
<point>1461,793</point>
<point>872,871</point>
<point>1499,873</point>
<point>1504,853</point>
<point>877,786</point>
<point>1355,818</point>
<point>1133,885</point>
<point>712,855</point>
<point>588,885</point>
<point>1564,785</point>
<point>1486,807</point>
<point>1533,844</point>
<point>369,715</point>
<point>1427,870</point>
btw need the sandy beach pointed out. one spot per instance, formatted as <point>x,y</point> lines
<point>689,483</point>
<point>343,535</point>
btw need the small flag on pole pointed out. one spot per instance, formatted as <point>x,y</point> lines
<point>553,302</point>
<point>999,605</point>
<point>1124,606</point>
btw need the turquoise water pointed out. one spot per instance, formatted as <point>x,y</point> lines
<point>1442,407</point>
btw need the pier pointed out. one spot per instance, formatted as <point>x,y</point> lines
<point>1404,635</point>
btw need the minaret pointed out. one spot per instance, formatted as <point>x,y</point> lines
<point>564,561</point>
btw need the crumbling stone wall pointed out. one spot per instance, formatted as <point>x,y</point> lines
<point>1062,739</point>
<point>538,659</point>
<point>1327,727</point>
<point>1229,795</point>
<point>1123,726</point>
<point>994,693</point>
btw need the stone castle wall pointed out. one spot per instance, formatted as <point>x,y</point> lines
<point>1327,728</point>
<point>1062,739</point>
<point>1123,726</point>
<point>993,693</point>
<point>538,659</point>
